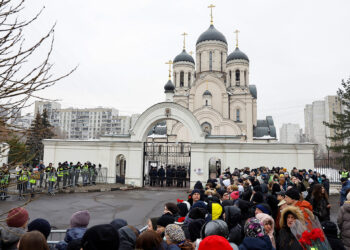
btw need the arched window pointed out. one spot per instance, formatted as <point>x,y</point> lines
<point>200,62</point>
<point>182,78</point>
<point>159,149</point>
<point>175,79</point>
<point>210,61</point>
<point>230,77</point>
<point>245,78</point>
<point>238,118</point>
<point>238,77</point>
<point>221,61</point>
<point>189,79</point>
<point>206,102</point>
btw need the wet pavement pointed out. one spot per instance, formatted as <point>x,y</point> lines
<point>135,206</point>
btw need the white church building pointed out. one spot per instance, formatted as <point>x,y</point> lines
<point>210,114</point>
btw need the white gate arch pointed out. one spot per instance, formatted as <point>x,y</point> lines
<point>163,111</point>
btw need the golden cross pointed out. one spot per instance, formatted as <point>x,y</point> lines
<point>184,34</point>
<point>236,31</point>
<point>191,53</point>
<point>170,63</point>
<point>211,12</point>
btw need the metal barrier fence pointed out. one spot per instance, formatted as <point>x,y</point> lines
<point>330,168</point>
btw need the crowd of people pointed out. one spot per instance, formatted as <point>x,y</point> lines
<point>172,175</point>
<point>247,209</point>
<point>31,178</point>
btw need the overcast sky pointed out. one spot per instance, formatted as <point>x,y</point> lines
<point>299,50</point>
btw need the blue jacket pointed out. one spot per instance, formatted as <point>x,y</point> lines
<point>250,243</point>
<point>344,188</point>
<point>72,234</point>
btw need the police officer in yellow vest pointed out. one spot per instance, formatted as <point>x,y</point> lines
<point>52,178</point>
<point>344,173</point>
<point>4,182</point>
<point>32,180</point>
<point>65,174</point>
<point>23,182</point>
<point>47,172</point>
<point>60,173</point>
<point>85,174</point>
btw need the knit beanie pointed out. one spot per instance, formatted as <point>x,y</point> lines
<point>165,220</point>
<point>234,195</point>
<point>197,213</point>
<point>329,228</point>
<point>195,191</point>
<point>175,233</point>
<point>253,228</point>
<point>194,228</point>
<point>80,219</point>
<point>118,223</point>
<point>41,225</point>
<point>17,217</point>
<point>100,237</point>
<point>258,197</point>
<point>293,194</point>
<point>182,209</point>
<point>200,204</point>
<point>265,208</point>
<point>214,242</point>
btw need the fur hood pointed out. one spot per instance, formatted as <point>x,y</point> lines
<point>295,211</point>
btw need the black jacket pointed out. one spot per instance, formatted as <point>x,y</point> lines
<point>233,220</point>
<point>287,241</point>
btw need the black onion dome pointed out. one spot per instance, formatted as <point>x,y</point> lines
<point>169,87</point>
<point>183,57</point>
<point>211,34</point>
<point>207,92</point>
<point>237,55</point>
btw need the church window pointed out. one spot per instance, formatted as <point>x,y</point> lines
<point>206,102</point>
<point>238,76</point>
<point>210,61</point>
<point>200,62</point>
<point>238,118</point>
<point>189,79</point>
<point>175,79</point>
<point>182,78</point>
<point>230,77</point>
<point>221,61</point>
<point>159,149</point>
<point>245,78</point>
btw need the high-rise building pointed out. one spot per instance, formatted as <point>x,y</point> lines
<point>315,114</point>
<point>290,133</point>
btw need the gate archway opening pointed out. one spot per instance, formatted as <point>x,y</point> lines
<point>120,169</point>
<point>214,168</point>
<point>167,155</point>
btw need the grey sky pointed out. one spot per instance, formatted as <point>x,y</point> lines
<point>298,50</point>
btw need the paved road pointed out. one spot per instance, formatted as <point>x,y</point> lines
<point>136,206</point>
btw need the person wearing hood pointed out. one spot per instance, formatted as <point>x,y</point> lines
<point>344,190</point>
<point>255,236</point>
<point>343,221</point>
<point>78,224</point>
<point>232,218</point>
<point>127,238</point>
<point>16,221</point>
<point>118,223</point>
<point>269,226</point>
<point>286,239</point>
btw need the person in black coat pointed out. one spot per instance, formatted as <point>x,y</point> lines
<point>325,183</point>
<point>331,232</point>
<point>161,175</point>
<point>233,220</point>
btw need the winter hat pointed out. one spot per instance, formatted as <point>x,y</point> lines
<point>258,197</point>
<point>200,204</point>
<point>348,197</point>
<point>195,191</point>
<point>227,203</point>
<point>41,225</point>
<point>80,219</point>
<point>293,194</point>
<point>214,242</point>
<point>165,220</point>
<point>194,229</point>
<point>329,228</point>
<point>253,228</point>
<point>118,223</point>
<point>175,233</point>
<point>183,210</point>
<point>234,195</point>
<point>265,208</point>
<point>17,217</point>
<point>197,213</point>
<point>100,237</point>
<point>215,227</point>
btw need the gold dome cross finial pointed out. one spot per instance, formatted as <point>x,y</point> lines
<point>191,53</point>
<point>211,12</point>
<point>169,63</point>
<point>236,31</point>
<point>184,34</point>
